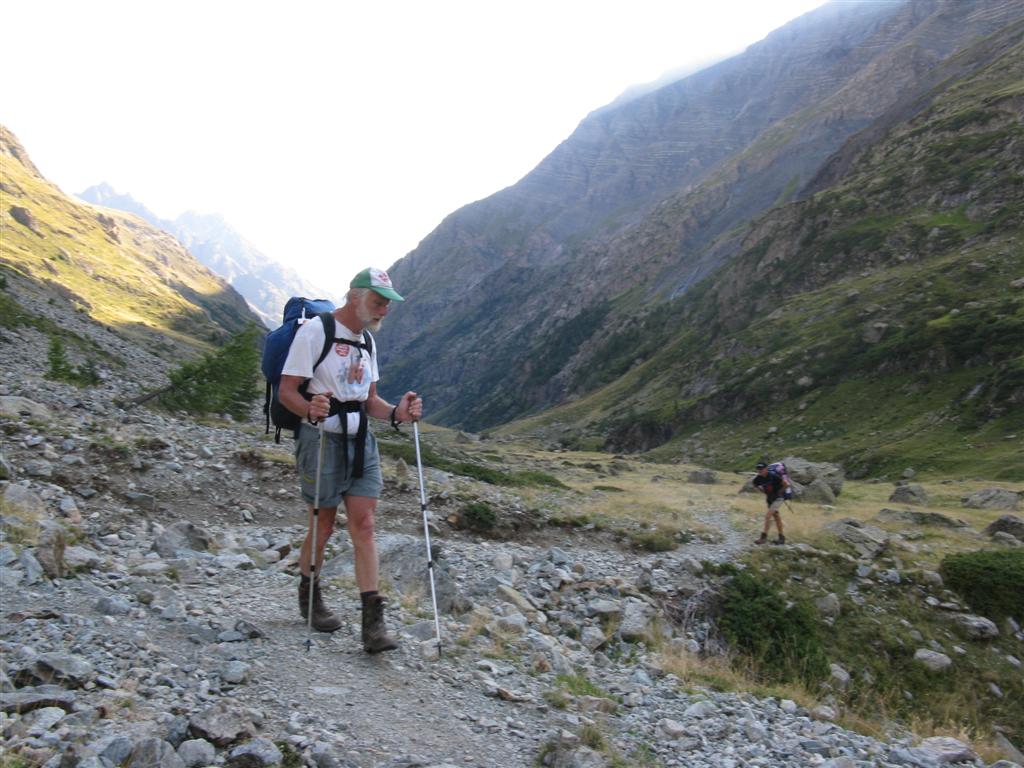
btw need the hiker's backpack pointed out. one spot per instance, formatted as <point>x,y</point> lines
<point>297,311</point>
<point>779,468</point>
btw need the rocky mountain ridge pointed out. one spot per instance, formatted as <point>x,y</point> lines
<point>575,288</point>
<point>266,284</point>
<point>902,271</point>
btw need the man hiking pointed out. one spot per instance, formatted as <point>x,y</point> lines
<point>342,393</point>
<point>776,489</point>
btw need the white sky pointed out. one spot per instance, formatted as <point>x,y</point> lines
<point>335,135</point>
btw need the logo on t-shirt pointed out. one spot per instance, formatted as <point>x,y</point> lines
<point>342,349</point>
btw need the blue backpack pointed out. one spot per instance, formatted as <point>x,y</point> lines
<point>297,310</point>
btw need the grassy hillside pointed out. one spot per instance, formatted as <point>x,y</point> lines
<point>879,323</point>
<point>112,267</point>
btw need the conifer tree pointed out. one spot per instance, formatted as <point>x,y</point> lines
<point>225,381</point>
<point>60,368</point>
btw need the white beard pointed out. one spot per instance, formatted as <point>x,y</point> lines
<point>366,318</point>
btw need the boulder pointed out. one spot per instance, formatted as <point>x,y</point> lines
<point>63,668</point>
<point>23,503</point>
<point>917,517</point>
<point>869,541</point>
<point>993,498</point>
<point>806,472</point>
<point>17,407</point>
<point>27,699</point>
<point>816,492</point>
<point>839,678</point>
<point>154,753</point>
<point>1001,537</point>
<point>702,477</point>
<point>196,753</point>
<point>258,753</point>
<point>976,627</point>
<point>946,750</point>
<point>1011,524</point>
<point>637,621</point>
<point>222,725</point>
<point>908,493</point>
<point>181,537</point>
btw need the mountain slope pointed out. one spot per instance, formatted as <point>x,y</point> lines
<point>645,200</point>
<point>266,284</point>
<point>110,267</point>
<point>878,322</point>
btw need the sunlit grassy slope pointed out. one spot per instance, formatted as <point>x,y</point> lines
<point>112,266</point>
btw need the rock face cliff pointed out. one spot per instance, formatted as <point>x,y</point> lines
<point>509,295</point>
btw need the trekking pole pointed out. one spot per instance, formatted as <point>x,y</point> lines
<point>313,543</point>
<point>426,534</point>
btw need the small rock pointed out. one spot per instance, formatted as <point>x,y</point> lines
<point>976,627</point>
<point>258,753</point>
<point>110,605</point>
<point>829,605</point>
<point>701,709</point>
<point>196,753</point>
<point>933,660</point>
<point>154,753</point>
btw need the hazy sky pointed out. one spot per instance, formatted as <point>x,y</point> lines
<point>335,135</point>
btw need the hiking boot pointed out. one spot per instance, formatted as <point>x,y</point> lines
<point>323,619</point>
<point>780,540</point>
<point>375,634</point>
<point>763,539</point>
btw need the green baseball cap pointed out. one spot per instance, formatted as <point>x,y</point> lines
<point>376,280</point>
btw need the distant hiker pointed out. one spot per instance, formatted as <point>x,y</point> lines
<point>776,488</point>
<point>342,391</point>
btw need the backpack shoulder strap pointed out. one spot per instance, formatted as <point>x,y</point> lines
<point>327,318</point>
<point>369,343</point>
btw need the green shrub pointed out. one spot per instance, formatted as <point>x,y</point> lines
<point>781,641</point>
<point>536,478</point>
<point>579,684</point>
<point>992,583</point>
<point>479,515</point>
<point>659,540</point>
<point>61,369</point>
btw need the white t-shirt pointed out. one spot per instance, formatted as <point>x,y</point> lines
<point>347,371</point>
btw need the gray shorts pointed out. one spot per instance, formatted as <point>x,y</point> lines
<point>776,505</point>
<point>336,477</point>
